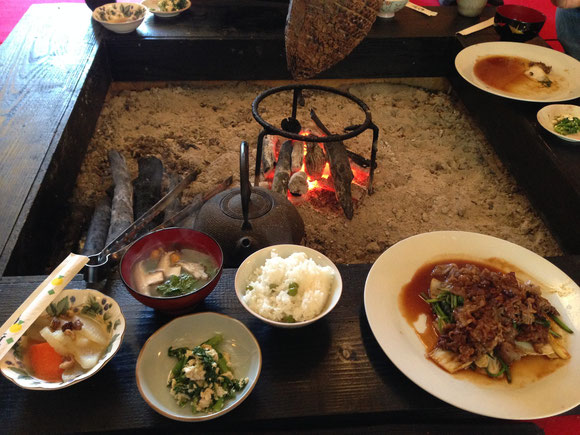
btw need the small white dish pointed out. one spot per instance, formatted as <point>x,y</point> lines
<point>94,303</point>
<point>154,365</point>
<point>156,8</point>
<point>258,259</point>
<point>389,7</point>
<point>546,116</point>
<point>120,17</point>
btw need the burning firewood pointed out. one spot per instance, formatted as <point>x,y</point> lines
<point>269,153</point>
<point>147,186</point>
<point>298,184</point>
<point>320,33</point>
<point>283,168</point>
<point>339,169</point>
<point>314,161</point>
<point>98,228</point>
<point>297,155</point>
<point>122,204</point>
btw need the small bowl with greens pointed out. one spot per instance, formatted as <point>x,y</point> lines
<point>173,269</point>
<point>198,367</point>
<point>562,120</point>
<point>166,8</point>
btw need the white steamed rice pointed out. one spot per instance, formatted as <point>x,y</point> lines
<point>267,291</point>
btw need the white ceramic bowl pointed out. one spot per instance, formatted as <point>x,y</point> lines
<point>93,301</point>
<point>389,7</point>
<point>547,114</point>
<point>154,365</point>
<point>120,17</point>
<point>153,6</point>
<point>258,259</point>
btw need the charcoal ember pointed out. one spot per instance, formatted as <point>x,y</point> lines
<point>314,161</point>
<point>320,33</point>
<point>298,184</point>
<point>297,155</point>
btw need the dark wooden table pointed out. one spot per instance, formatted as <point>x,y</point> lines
<point>55,69</point>
<point>330,376</point>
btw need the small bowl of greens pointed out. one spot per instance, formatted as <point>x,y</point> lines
<point>173,269</point>
<point>198,367</point>
<point>166,8</point>
<point>562,120</point>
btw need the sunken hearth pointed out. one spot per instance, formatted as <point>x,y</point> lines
<point>434,168</point>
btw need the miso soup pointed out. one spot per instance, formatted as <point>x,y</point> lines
<point>173,273</point>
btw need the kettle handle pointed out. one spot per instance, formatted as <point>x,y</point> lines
<point>245,186</point>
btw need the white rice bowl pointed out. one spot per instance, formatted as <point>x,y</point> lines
<point>267,290</point>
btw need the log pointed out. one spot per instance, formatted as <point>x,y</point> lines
<point>122,203</point>
<point>175,205</point>
<point>269,153</point>
<point>320,33</point>
<point>314,161</point>
<point>283,168</point>
<point>297,157</point>
<point>339,169</point>
<point>147,186</point>
<point>298,184</point>
<point>98,228</point>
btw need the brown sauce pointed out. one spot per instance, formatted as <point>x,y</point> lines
<point>507,73</point>
<point>411,306</point>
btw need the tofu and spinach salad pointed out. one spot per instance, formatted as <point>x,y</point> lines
<point>203,377</point>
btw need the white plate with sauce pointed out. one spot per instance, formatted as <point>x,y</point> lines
<point>564,73</point>
<point>548,114</point>
<point>549,395</point>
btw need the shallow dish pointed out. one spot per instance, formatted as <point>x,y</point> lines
<point>259,258</point>
<point>103,307</point>
<point>153,6</point>
<point>546,116</point>
<point>563,66</point>
<point>169,239</point>
<point>153,363</point>
<point>550,395</point>
<point>120,17</point>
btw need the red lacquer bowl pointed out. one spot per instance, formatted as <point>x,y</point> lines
<point>518,23</point>
<point>171,239</point>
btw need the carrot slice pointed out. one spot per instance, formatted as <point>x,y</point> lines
<point>45,362</point>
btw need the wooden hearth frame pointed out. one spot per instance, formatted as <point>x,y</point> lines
<point>57,65</point>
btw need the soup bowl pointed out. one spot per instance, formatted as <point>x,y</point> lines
<point>120,17</point>
<point>171,239</point>
<point>518,23</point>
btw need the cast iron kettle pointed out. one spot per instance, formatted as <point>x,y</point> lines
<point>245,219</point>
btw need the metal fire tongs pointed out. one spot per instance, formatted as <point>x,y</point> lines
<point>99,265</point>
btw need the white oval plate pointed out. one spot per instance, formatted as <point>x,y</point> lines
<point>547,114</point>
<point>562,65</point>
<point>551,395</point>
<point>153,363</point>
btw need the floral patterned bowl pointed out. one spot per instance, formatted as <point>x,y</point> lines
<point>120,17</point>
<point>389,7</point>
<point>91,303</point>
<point>166,8</point>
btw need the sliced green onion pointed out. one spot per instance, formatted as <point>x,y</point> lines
<point>561,324</point>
